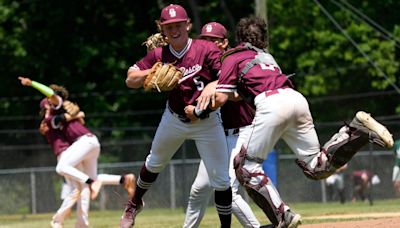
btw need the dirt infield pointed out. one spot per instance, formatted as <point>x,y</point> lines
<point>368,220</point>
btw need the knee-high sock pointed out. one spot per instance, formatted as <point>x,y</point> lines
<point>223,203</point>
<point>144,182</point>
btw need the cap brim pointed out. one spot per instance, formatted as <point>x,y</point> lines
<point>211,35</point>
<point>172,21</point>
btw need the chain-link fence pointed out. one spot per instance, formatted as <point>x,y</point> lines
<point>37,190</point>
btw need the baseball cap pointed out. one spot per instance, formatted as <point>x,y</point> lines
<point>213,29</point>
<point>173,13</point>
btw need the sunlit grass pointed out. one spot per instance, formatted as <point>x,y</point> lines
<point>311,213</point>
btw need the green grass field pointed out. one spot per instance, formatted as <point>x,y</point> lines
<point>311,212</point>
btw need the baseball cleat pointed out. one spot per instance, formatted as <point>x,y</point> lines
<point>55,224</point>
<point>291,219</point>
<point>379,132</point>
<point>131,210</point>
<point>95,189</point>
<point>130,184</point>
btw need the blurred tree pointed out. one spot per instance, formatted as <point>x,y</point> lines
<point>87,46</point>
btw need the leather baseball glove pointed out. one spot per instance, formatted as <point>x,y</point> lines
<point>71,108</point>
<point>154,41</point>
<point>162,77</point>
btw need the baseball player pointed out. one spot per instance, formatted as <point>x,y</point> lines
<point>59,144</point>
<point>336,183</point>
<point>396,167</point>
<point>362,185</point>
<point>76,154</point>
<point>282,112</point>
<point>201,189</point>
<point>199,61</point>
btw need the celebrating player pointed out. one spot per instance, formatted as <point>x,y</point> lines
<point>282,112</point>
<point>59,145</point>
<point>201,190</point>
<point>199,60</point>
<point>75,158</point>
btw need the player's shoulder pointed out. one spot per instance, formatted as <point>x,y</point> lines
<point>238,53</point>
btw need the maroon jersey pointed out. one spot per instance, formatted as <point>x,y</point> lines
<point>230,117</point>
<point>358,174</point>
<point>56,140</point>
<point>200,64</point>
<point>74,129</point>
<point>71,130</point>
<point>260,78</point>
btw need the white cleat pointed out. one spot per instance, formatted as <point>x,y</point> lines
<point>373,125</point>
<point>54,224</point>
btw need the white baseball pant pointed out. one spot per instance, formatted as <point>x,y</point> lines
<point>85,150</point>
<point>201,192</point>
<point>210,141</point>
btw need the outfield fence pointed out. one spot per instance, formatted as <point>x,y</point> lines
<point>37,190</point>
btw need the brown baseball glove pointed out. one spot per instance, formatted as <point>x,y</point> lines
<point>162,77</point>
<point>71,108</point>
<point>154,41</point>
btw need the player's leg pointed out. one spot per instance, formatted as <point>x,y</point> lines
<point>261,189</point>
<point>77,153</point>
<point>169,137</point>
<point>273,116</point>
<point>211,144</point>
<point>199,198</point>
<point>90,164</point>
<point>303,140</point>
<point>83,206</point>
<point>127,180</point>
<point>240,208</point>
<point>69,201</point>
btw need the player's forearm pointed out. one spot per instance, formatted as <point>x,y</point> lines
<point>135,78</point>
<point>220,99</point>
<point>47,91</point>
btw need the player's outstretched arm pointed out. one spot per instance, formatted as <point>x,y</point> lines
<point>45,90</point>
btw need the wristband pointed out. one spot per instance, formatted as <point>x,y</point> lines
<point>197,112</point>
<point>202,114</point>
<point>47,91</point>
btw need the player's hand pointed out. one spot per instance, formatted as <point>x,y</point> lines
<point>189,111</point>
<point>207,96</point>
<point>43,128</point>
<point>25,81</point>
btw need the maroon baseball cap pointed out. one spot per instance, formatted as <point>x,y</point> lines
<point>213,29</point>
<point>173,13</point>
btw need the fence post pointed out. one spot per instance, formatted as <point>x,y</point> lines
<point>33,191</point>
<point>172,186</point>
<point>323,190</point>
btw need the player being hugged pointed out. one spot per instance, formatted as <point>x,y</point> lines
<point>281,112</point>
<point>199,62</point>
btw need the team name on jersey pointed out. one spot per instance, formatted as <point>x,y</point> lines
<point>189,72</point>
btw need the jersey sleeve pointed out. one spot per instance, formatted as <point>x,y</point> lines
<point>214,59</point>
<point>227,81</point>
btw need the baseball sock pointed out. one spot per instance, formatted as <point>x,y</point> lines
<point>223,202</point>
<point>144,182</point>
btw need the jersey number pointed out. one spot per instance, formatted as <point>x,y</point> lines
<point>199,84</point>
<point>265,67</point>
